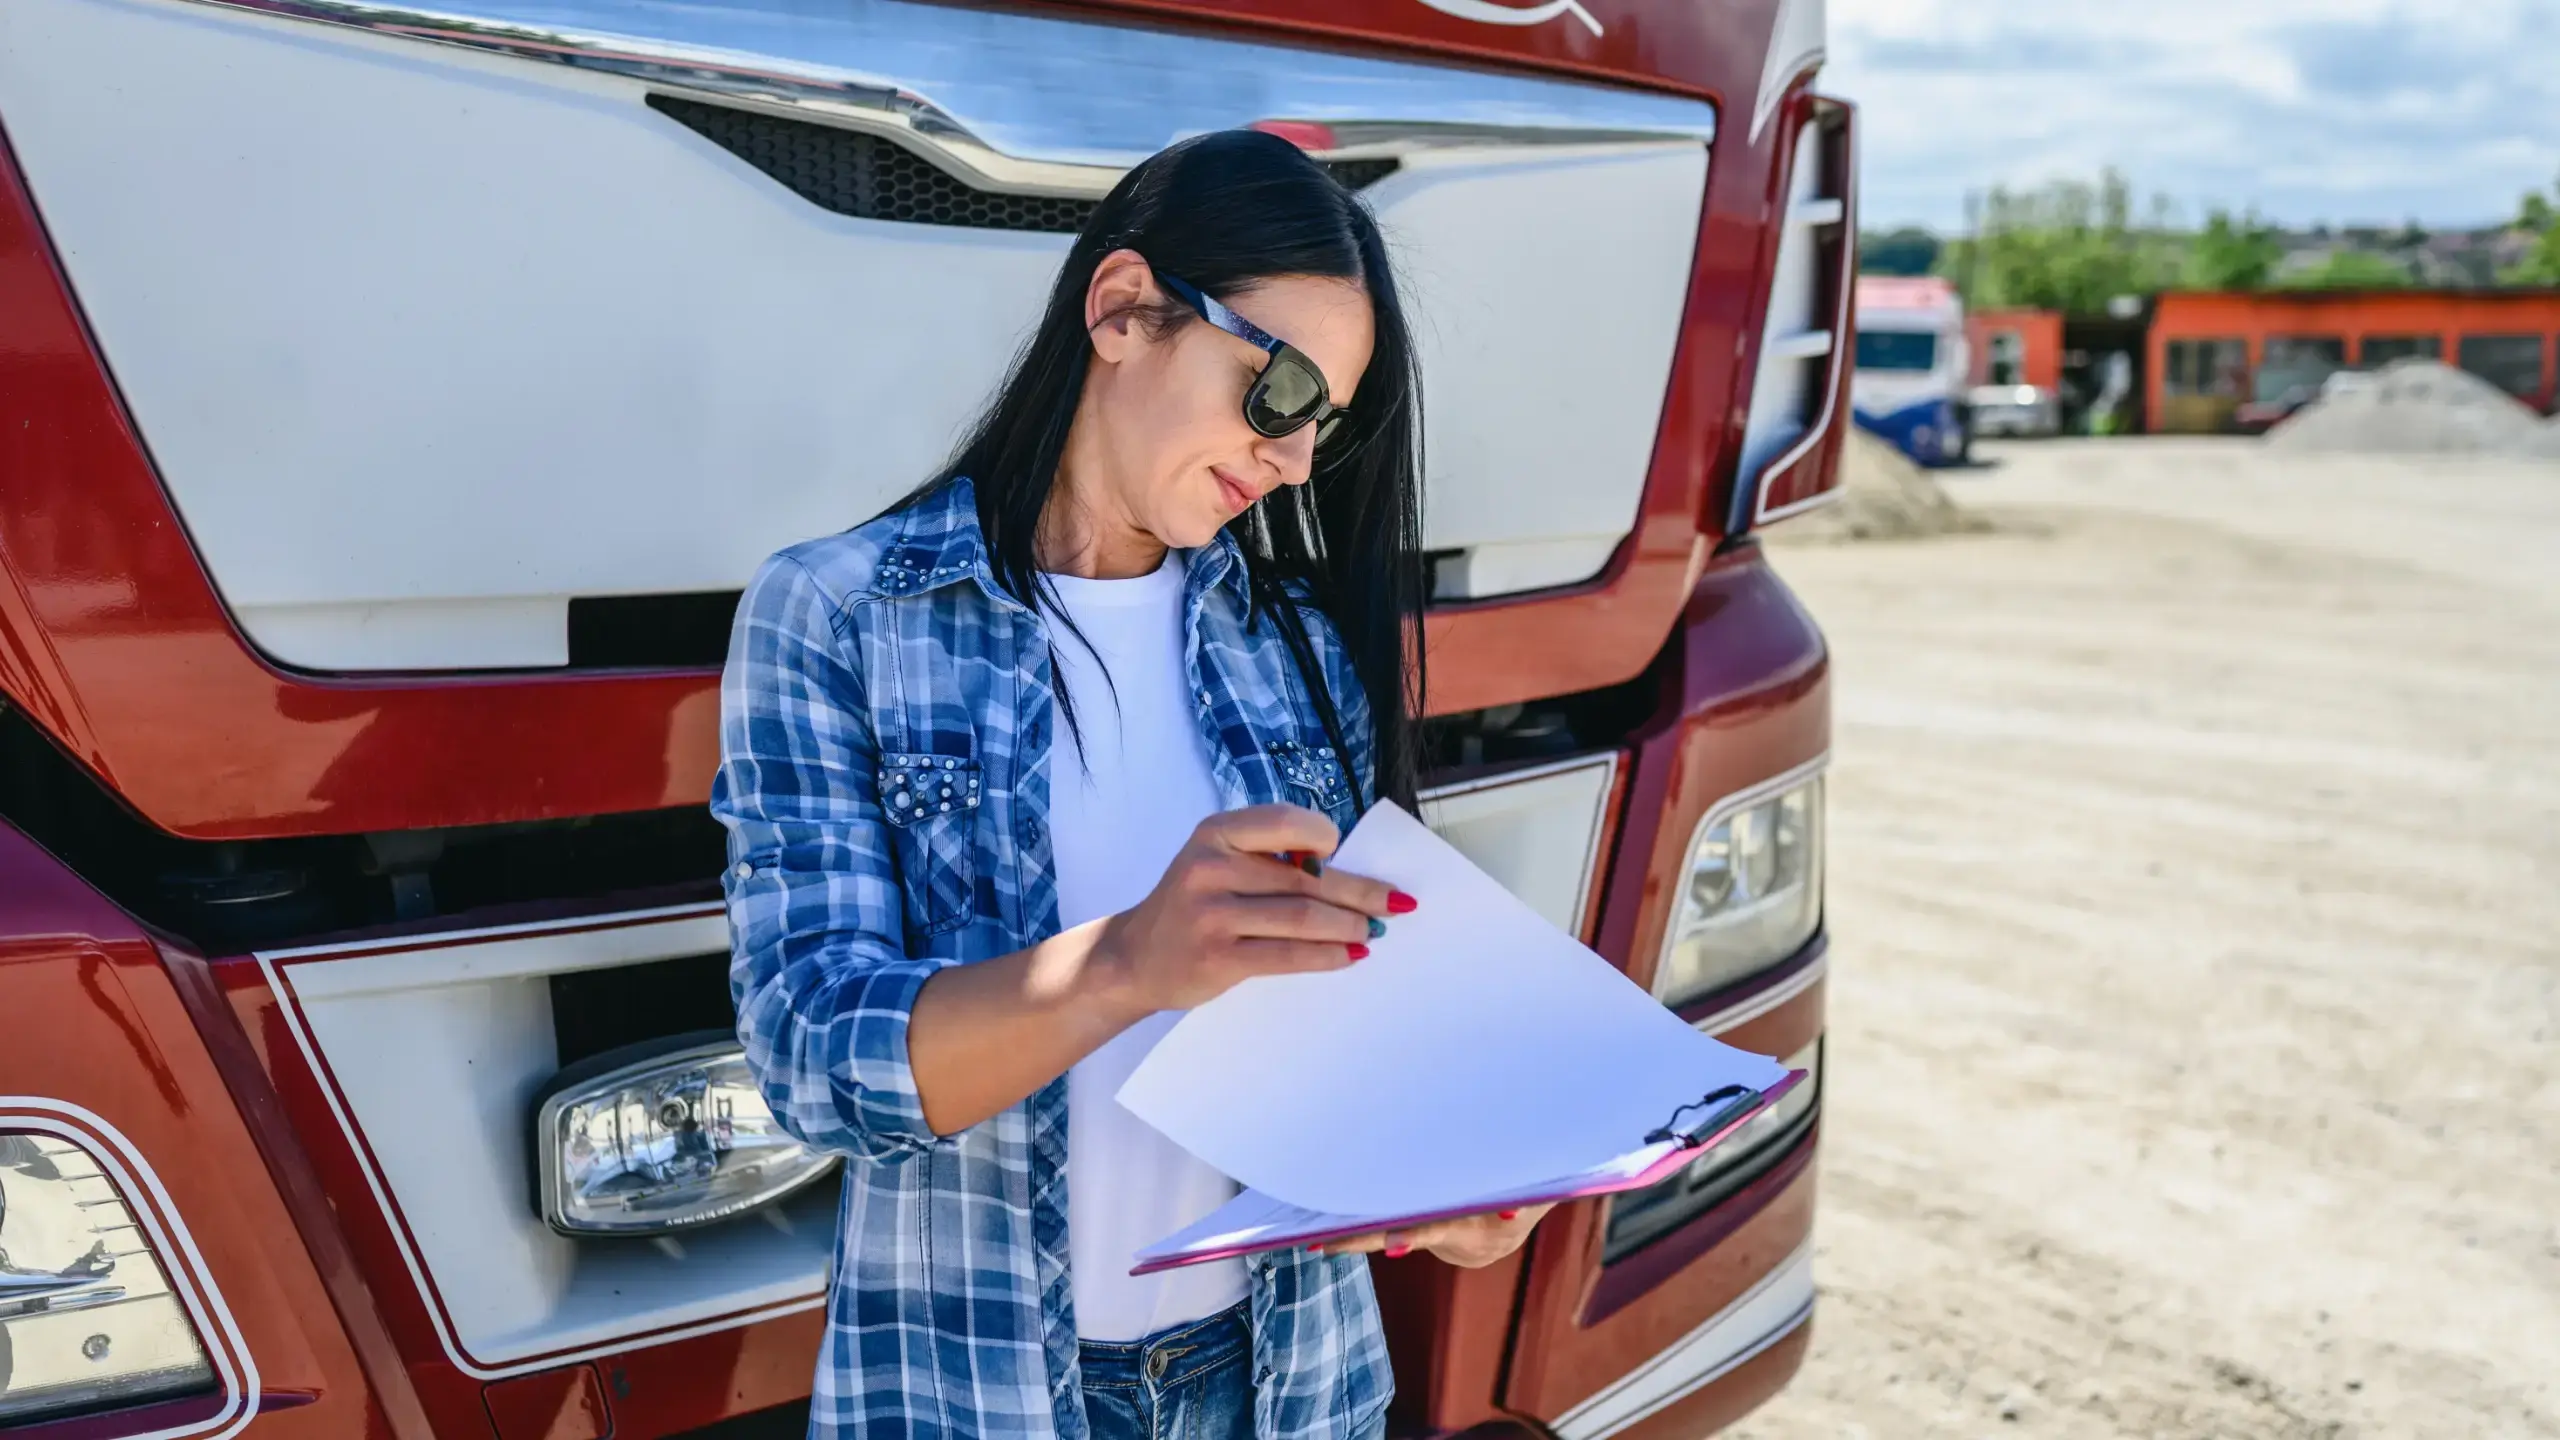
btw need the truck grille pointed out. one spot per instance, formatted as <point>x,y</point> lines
<point>874,178</point>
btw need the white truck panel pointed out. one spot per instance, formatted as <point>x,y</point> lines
<point>426,342</point>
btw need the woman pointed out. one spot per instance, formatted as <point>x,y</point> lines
<point>1008,774</point>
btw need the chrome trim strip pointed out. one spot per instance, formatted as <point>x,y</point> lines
<point>1767,1313</point>
<point>1021,104</point>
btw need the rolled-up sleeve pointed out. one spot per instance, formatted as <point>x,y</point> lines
<point>818,966</point>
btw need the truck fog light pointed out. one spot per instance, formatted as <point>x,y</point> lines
<point>87,1319</point>
<point>1750,894</point>
<point>661,1136</point>
<point>1643,1216</point>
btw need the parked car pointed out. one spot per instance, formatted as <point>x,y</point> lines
<point>392,403</point>
<point>2015,410</point>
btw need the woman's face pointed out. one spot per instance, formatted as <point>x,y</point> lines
<point>1162,449</point>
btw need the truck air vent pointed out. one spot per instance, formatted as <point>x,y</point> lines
<point>690,628</point>
<point>853,173</point>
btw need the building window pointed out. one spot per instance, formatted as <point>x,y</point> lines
<point>2297,364</point>
<point>2381,350</point>
<point>2008,358</point>
<point>2207,367</point>
<point>2513,363</point>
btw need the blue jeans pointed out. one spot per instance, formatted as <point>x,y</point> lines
<point>1192,1382</point>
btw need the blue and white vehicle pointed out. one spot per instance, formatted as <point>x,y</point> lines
<point>1912,364</point>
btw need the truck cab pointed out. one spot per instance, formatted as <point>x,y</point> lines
<point>392,404</point>
<point>1911,385</point>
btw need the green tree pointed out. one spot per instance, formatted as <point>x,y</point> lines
<point>1906,251</point>
<point>2231,254</point>
<point>2538,217</point>
<point>2352,270</point>
<point>2068,245</point>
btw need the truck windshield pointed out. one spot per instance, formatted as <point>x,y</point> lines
<point>1897,350</point>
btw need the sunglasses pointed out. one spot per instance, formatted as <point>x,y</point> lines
<point>1290,393</point>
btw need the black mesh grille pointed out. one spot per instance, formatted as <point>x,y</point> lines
<point>856,174</point>
<point>852,173</point>
<point>1360,174</point>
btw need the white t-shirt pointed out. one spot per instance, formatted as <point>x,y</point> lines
<point>1121,805</point>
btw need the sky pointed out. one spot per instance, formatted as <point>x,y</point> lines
<point>2345,111</point>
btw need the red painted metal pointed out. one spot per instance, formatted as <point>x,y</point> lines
<point>115,1041</point>
<point>298,1185</point>
<point>1648,1270</point>
<point>1750,694</point>
<point>566,1404</point>
<point>1556,1366</point>
<point>1710,51</point>
<point>1706,1411</point>
<point>109,625</point>
<point>1449,1331</point>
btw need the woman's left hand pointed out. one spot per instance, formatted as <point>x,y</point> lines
<point>1469,1243</point>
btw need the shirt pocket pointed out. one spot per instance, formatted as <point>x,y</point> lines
<point>932,805</point>
<point>1313,776</point>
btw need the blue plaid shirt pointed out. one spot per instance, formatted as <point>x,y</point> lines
<point>885,723</point>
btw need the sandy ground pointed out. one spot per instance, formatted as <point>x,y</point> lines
<point>2195,1021</point>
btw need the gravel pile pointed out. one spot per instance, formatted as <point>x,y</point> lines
<point>2416,407</point>
<point>1883,496</point>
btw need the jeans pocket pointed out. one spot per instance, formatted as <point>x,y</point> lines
<point>931,802</point>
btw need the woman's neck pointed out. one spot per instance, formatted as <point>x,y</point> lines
<point>1083,534</point>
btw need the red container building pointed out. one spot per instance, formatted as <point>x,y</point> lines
<point>2211,352</point>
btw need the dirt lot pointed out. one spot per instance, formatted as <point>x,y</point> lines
<point>2195,1038</point>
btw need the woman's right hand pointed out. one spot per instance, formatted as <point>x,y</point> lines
<point>1228,908</point>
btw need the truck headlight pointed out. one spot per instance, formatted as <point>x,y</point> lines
<point>662,1136</point>
<point>87,1318</point>
<point>1750,894</point>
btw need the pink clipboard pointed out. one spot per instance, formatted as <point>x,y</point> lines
<point>1321,1230</point>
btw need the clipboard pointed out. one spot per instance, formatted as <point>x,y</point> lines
<point>1254,1222</point>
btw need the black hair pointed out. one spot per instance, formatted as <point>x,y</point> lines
<point>1226,211</point>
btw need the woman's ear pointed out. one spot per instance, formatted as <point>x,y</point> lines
<point>1121,283</point>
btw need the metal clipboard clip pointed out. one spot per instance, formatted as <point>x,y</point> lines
<point>1719,1108</point>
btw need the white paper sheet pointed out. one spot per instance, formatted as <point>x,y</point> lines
<point>1478,1051</point>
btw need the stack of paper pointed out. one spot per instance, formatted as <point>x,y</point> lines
<point>1478,1059</point>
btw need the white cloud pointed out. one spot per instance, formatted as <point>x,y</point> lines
<point>2341,110</point>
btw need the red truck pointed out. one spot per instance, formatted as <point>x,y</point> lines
<point>392,402</point>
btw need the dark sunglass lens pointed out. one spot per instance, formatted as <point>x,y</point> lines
<point>1327,428</point>
<point>1289,393</point>
<point>1263,416</point>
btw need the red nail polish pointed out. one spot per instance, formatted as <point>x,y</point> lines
<point>1509,1215</point>
<point>1397,1252</point>
<point>1399,903</point>
<point>1358,952</point>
